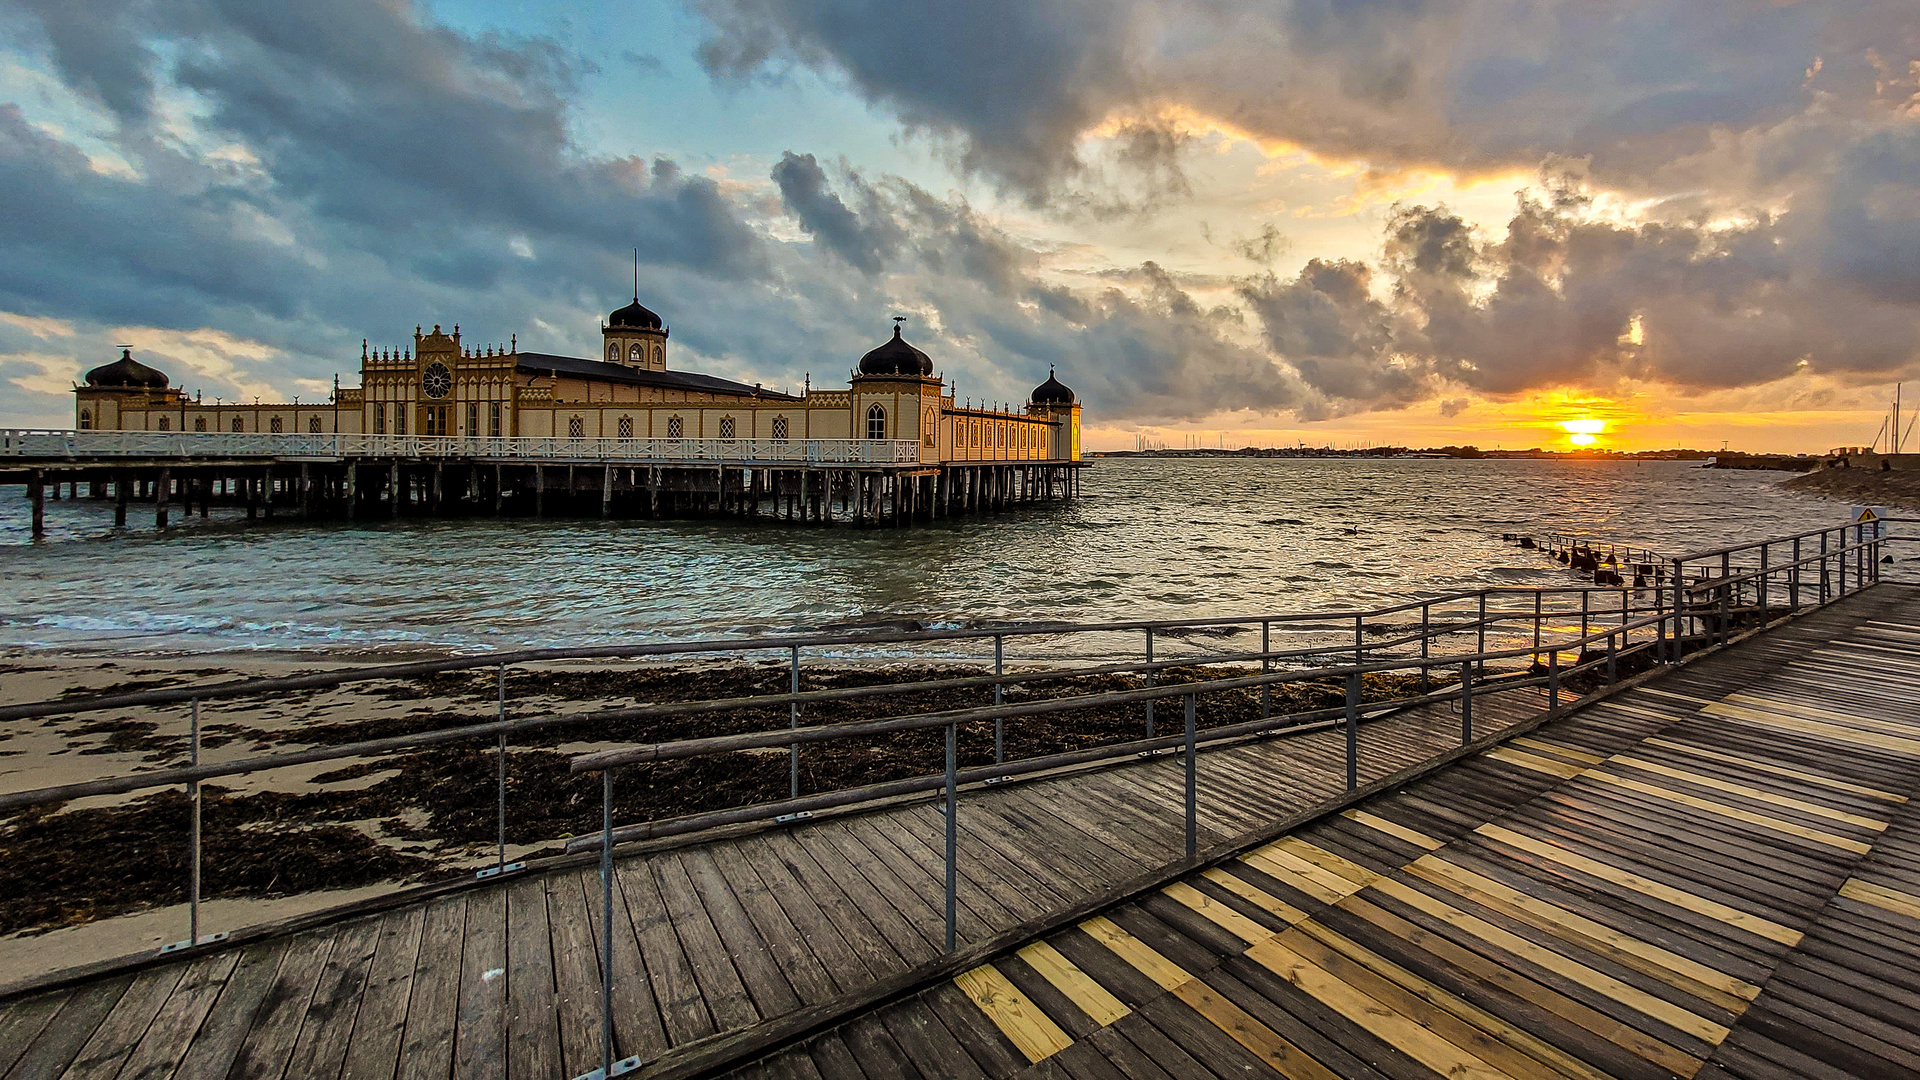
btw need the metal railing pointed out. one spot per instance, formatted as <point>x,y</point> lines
<point>87,445</point>
<point>1458,648</point>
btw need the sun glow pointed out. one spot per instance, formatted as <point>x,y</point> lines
<point>1583,432</point>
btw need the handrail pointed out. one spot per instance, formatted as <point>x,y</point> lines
<point>37,443</point>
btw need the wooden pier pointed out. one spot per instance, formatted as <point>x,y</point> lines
<point>1711,872</point>
<point>816,481</point>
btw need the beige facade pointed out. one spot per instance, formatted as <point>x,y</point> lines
<point>442,386</point>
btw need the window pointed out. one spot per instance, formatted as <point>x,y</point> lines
<point>239,425</point>
<point>779,429</point>
<point>636,354</point>
<point>929,428</point>
<point>659,356</point>
<point>379,419</point>
<point>676,428</point>
<point>726,427</point>
<point>275,426</point>
<point>435,419</point>
<point>975,432</point>
<point>473,419</point>
<point>876,423</point>
<point>166,424</point>
<point>613,353</point>
<point>313,425</point>
<point>576,427</point>
<point>199,423</point>
<point>493,419</point>
<point>86,420</point>
<point>625,427</point>
<point>399,419</point>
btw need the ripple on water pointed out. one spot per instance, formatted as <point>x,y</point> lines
<point>1244,536</point>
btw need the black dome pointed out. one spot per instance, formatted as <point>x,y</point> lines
<point>637,317</point>
<point>127,373</point>
<point>1052,392</point>
<point>896,357</point>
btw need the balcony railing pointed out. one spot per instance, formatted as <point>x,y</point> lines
<point>75,445</point>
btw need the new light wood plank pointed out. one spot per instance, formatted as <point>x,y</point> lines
<point>1880,896</point>
<point>1017,1017</point>
<point>1079,987</point>
<point>1217,913</point>
<point>1757,765</point>
<point>1135,952</point>
<point>1254,895</point>
<point>1394,829</point>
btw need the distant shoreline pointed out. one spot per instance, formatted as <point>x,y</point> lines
<point>1709,458</point>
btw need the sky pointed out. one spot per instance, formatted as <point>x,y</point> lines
<point>1222,222</point>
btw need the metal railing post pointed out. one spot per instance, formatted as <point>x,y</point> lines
<point>1193,798</point>
<point>1586,602</point>
<point>953,835</point>
<point>1426,639</point>
<point>1765,584</point>
<point>1149,681</point>
<point>999,722</point>
<point>1613,656</point>
<point>793,722</point>
<point>1482,644</point>
<point>1679,606</point>
<point>606,922</point>
<point>1466,702</point>
<point>1538,596</point>
<point>193,833</point>
<point>1266,667</point>
<point>1359,651</point>
<point>500,800</point>
<point>1840,559</point>
<point>1553,679</point>
<point>1793,578</point>
<point>1353,730</point>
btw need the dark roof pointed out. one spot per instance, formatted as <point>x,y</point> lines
<point>896,357</point>
<point>1052,392</point>
<point>636,316</point>
<point>128,373</point>
<point>691,381</point>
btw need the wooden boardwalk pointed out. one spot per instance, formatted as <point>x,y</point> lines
<point>1715,874</point>
<point>710,938</point>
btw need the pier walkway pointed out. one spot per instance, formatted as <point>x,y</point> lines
<point>1713,872</point>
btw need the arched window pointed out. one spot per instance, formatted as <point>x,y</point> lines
<point>876,423</point>
<point>399,418</point>
<point>625,427</point>
<point>726,428</point>
<point>613,353</point>
<point>929,428</point>
<point>86,420</point>
<point>576,427</point>
<point>779,429</point>
<point>275,426</point>
<point>199,423</point>
<point>313,425</point>
<point>676,428</point>
<point>659,356</point>
<point>166,424</point>
<point>473,419</point>
<point>239,425</point>
<point>636,354</point>
<point>379,419</point>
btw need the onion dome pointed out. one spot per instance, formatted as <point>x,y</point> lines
<point>1052,392</point>
<point>636,317</point>
<point>127,373</point>
<point>896,357</point>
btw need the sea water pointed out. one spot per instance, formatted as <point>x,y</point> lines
<point>1148,538</point>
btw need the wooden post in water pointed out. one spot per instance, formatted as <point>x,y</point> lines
<point>37,495</point>
<point>161,491</point>
<point>122,492</point>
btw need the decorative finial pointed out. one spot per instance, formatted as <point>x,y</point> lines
<point>897,320</point>
<point>516,342</point>
<point>636,275</point>
<point>363,348</point>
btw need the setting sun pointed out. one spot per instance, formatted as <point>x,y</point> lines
<point>1583,432</point>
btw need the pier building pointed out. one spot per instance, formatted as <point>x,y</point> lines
<point>441,423</point>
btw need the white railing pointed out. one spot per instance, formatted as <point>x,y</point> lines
<point>56,445</point>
